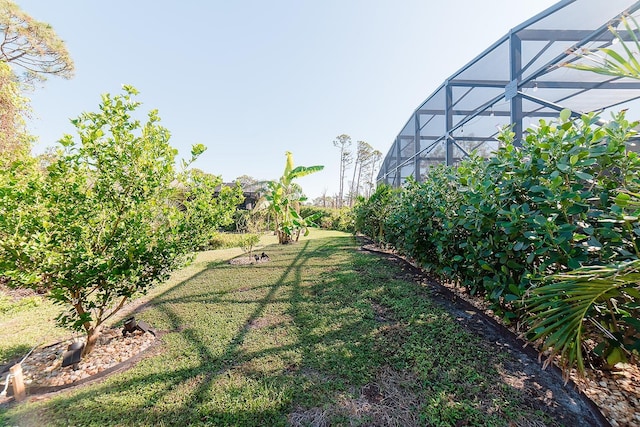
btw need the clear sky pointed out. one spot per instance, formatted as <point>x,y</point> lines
<point>252,79</point>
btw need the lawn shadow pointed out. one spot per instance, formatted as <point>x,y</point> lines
<point>192,376</point>
<point>320,335</point>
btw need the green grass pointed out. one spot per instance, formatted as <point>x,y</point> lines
<point>314,336</point>
<point>26,323</point>
<point>29,321</point>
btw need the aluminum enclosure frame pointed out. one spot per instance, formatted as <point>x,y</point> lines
<point>517,81</point>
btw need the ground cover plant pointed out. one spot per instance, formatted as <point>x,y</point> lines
<point>323,334</point>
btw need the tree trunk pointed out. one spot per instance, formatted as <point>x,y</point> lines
<point>283,238</point>
<point>353,178</point>
<point>92,339</point>
<point>358,181</point>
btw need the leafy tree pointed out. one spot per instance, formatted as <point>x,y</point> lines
<point>108,218</point>
<point>14,139</point>
<point>324,200</point>
<point>284,198</point>
<point>371,167</point>
<point>31,45</point>
<point>247,182</point>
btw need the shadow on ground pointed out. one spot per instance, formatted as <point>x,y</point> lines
<point>321,335</point>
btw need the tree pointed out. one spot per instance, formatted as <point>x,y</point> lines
<point>108,218</point>
<point>246,181</point>
<point>373,165</point>
<point>14,139</point>
<point>284,197</point>
<point>364,157</point>
<point>31,45</point>
<point>343,142</point>
<point>324,201</point>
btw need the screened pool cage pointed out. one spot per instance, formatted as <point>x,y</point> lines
<point>517,81</point>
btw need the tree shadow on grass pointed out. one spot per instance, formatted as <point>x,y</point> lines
<point>176,387</point>
<point>319,335</point>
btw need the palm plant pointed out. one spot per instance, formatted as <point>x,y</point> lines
<point>604,297</point>
<point>284,198</point>
<point>608,61</point>
<point>601,300</point>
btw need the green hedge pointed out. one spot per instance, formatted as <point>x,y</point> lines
<point>331,218</point>
<point>500,226</point>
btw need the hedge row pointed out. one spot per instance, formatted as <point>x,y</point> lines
<point>504,226</point>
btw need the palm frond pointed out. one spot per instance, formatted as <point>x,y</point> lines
<point>560,309</point>
<point>610,62</point>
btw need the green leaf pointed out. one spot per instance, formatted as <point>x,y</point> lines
<point>583,175</point>
<point>511,297</point>
<point>635,323</point>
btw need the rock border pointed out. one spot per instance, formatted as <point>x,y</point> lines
<point>40,392</point>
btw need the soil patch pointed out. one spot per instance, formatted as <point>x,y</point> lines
<point>252,259</point>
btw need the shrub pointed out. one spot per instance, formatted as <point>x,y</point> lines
<point>499,226</point>
<point>370,214</point>
<point>339,219</point>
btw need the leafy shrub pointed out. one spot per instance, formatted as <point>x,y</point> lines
<point>222,240</point>
<point>340,219</point>
<point>249,221</point>
<point>499,226</point>
<point>370,214</point>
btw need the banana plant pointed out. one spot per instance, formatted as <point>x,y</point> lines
<point>284,197</point>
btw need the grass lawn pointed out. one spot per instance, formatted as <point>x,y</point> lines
<point>322,334</point>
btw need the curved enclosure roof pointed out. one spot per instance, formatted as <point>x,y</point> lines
<point>518,80</point>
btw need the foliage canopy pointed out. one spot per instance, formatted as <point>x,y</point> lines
<point>110,216</point>
<point>31,45</point>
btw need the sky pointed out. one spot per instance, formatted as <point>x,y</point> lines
<point>252,79</point>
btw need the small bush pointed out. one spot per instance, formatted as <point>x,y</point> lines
<point>331,218</point>
<point>248,241</point>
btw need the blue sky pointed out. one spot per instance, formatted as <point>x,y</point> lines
<point>252,79</point>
